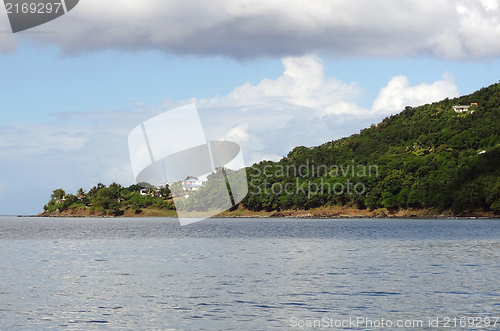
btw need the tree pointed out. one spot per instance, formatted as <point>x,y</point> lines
<point>177,189</point>
<point>164,192</point>
<point>134,188</point>
<point>58,194</point>
<point>93,191</point>
<point>68,201</point>
<point>106,198</point>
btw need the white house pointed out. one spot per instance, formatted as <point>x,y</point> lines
<point>191,184</point>
<point>163,184</point>
<point>460,109</point>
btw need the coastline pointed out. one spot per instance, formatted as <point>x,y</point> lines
<point>320,212</point>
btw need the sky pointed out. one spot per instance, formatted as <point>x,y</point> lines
<point>270,74</point>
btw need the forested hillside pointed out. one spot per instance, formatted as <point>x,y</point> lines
<point>424,157</point>
<point>427,157</point>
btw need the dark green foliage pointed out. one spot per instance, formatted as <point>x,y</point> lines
<point>58,194</point>
<point>209,196</point>
<point>427,156</point>
<point>93,191</point>
<point>112,200</point>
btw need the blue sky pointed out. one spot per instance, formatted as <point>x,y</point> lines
<point>273,74</point>
<point>42,81</point>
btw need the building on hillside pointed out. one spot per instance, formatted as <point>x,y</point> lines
<point>163,184</point>
<point>460,109</point>
<point>191,184</point>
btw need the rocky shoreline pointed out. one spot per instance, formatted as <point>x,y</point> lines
<point>322,213</point>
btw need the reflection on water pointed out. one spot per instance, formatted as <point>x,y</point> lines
<point>152,274</point>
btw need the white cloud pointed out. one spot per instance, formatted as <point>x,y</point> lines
<point>343,107</point>
<point>278,28</point>
<point>40,139</point>
<point>305,107</point>
<point>398,93</point>
<point>265,117</point>
<point>303,84</point>
<point>490,5</point>
<point>238,134</point>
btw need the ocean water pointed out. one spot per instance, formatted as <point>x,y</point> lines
<point>249,274</point>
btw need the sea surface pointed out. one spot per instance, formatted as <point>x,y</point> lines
<point>249,274</point>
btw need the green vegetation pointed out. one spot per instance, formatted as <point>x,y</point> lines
<point>424,157</point>
<point>209,195</point>
<point>112,200</point>
<point>427,157</point>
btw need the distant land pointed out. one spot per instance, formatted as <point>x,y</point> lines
<point>435,160</point>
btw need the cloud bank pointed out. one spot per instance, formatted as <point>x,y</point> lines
<point>452,29</point>
<point>398,93</point>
